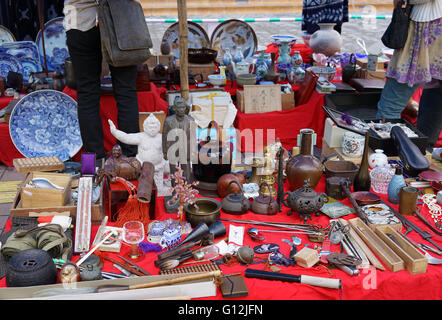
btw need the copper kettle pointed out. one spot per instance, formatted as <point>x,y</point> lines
<point>235,203</point>
<point>265,204</point>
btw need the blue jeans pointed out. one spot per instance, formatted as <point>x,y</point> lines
<point>394,99</point>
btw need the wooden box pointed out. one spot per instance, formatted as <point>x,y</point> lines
<point>333,134</point>
<point>39,197</point>
<point>287,101</point>
<point>306,257</point>
<point>390,258</point>
<point>25,165</point>
<point>154,60</point>
<point>97,210</point>
<point>415,262</point>
<point>261,99</point>
<point>378,74</point>
<point>201,69</point>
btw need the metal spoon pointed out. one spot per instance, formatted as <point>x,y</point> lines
<point>431,259</point>
<point>172,263</point>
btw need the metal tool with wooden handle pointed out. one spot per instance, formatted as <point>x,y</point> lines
<point>310,280</point>
<point>197,276</point>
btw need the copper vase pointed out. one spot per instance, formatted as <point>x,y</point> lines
<point>304,165</point>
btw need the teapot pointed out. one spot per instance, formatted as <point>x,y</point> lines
<point>350,69</point>
<point>224,180</point>
<point>235,203</point>
<point>265,204</point>
<point>304,200</point>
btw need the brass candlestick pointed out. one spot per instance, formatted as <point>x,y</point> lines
<point>257,166</point>
<point>270,180</point>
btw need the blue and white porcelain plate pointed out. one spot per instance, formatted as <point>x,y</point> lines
<point>21,49</point>
<point>6,35</point>
<point>45,123</point>
<point>197,37</point>
<point>232,34</point>
<point>55,44</point>
<point>29,66</point>
<point>9,63</point>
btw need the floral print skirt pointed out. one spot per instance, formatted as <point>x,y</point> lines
<point>420,60</point>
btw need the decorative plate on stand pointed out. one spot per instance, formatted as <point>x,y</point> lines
<point>55,43</point>
<point>45,123</point>
<point>6,35</point>
<point>9,63</point>
<point>232,34</point>
<point>197,37</point>
<point>21,49</point>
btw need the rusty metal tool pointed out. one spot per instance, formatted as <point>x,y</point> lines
<point>135,266</point>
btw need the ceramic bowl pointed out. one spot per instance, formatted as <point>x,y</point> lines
<point>216,79</point>
<point>245,79</point>
<point>207,210</point>
<point>325,72</point>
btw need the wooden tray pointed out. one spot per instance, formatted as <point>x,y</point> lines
<point>393,262</point>
<point>24,165</point>
<point>415,262</point>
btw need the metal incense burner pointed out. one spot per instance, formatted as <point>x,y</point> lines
<point>304,200</point>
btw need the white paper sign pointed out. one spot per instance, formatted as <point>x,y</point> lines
<point>236,235</point>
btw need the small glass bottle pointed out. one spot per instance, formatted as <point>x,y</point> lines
<point>395,185</point>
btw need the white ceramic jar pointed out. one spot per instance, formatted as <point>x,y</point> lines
<point>326,40</point>
<point>352,144</point>
<point>377,159</point>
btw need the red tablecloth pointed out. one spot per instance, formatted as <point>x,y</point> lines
<point>286,124</point>
<point>147,101</point>
<point>369,285</point>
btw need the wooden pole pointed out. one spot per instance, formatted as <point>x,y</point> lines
<point>183,30</point>
<point>42,32</point>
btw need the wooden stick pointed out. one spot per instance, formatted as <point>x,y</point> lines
<point>42,29</point>
<point>82,259</point>
<point>176,280</point>
<point>191,277</point>
<point>183,36</point>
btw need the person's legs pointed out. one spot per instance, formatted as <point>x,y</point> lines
<point>394,98</point>
<point>429,120</point>
<point>85,52</point>
<point>124,85</point>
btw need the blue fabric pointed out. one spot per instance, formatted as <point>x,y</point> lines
<point>394,99</point>
<point>323,11</point>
